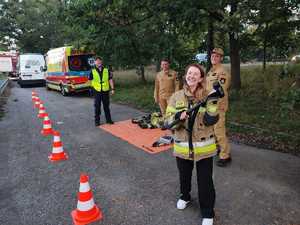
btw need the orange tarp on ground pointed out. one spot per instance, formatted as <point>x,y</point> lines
<point>141,138</point>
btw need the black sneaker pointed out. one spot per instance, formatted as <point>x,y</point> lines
<point>97,124</point>
<point>223,162</point>
<point>110,122</point>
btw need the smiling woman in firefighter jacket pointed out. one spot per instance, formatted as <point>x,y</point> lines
<point>194,140</point>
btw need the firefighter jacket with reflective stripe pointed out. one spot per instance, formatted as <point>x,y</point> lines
<point>100,84</point>
<point>218,73</point>
<point>203,138</point>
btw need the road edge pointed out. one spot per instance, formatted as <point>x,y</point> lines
<point>3,86</point>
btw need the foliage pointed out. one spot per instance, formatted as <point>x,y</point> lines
<point>131,33</point>
<point>36,26</point>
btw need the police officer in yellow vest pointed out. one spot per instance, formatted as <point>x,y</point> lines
<point>166,83</point>
<point>102,82</point>
<point>218,73</point>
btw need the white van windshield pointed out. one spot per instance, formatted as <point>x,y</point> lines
<point>32,61</point>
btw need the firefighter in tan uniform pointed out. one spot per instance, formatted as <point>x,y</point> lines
<point>218,73</point>
<point>166,83</point>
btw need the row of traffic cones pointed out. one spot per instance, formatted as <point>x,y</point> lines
<point>86,211</point>
<point>58,153</point>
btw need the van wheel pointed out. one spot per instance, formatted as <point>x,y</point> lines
<point>62,90</point>
<point>20,84</point>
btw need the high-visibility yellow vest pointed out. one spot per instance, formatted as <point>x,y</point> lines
<point>97,83</point>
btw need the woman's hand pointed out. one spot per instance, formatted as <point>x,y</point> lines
<point>184,115</point>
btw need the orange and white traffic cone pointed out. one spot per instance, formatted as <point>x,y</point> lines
<point>42,111</point>
<point>47,127</point>
<point>33,95</point>
<point>57,149</point>
<point>86,212</point>
<point>37,102</point>
<point>34,98</point>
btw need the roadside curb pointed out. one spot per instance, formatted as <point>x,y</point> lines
<point>3,86</point>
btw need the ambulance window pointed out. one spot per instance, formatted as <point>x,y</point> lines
<point>79,62</point>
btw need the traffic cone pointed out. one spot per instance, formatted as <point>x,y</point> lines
<point>47,128</point>
<point>37,102</point>
<point>34,98</point>
<point>86,212</point>
<point>33,95</point>
<point>57,149</point>
<point>42,111</point>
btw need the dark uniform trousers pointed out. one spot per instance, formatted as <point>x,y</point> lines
<point>102,96</point>
<point>206,190</point>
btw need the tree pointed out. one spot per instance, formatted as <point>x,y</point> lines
<point>8,23</point>
<point>273,26</point>
<point>36,26</point>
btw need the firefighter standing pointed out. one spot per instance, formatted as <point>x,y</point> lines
<point>218,73</point>
<point>102,83</point>
<point>194,140</point>
<point>166,83</point>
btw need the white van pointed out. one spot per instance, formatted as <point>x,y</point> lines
<point>31,69</point>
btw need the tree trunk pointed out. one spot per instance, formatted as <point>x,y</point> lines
<point>265,53</point>
<point>143,74</point>
<point>210,41</point>
<point>140,71</point>
<point>234,54</point>
<point>157,65</point>
<point>265,47</point>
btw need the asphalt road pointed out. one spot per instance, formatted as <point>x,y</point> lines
<point>132,187</point>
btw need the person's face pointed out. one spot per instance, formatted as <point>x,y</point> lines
<point>216,58</point>
<point>193,76</point>
<point>98,62</point>
<point>164,65</point>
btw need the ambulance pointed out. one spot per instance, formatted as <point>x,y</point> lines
<point>68,69</point>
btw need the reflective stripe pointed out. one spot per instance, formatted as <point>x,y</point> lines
<point>85,206</point>
<point>197,150</point>
<point>57,149</point>
<point>196,144</point>
<point>84,187</point>
<point>47,126</point>
<point>56,139</point>
<point>212,108</point>
<point>200,148</point>
<point>205,150</point>
<point>171,109</point>
<point>202,110</point>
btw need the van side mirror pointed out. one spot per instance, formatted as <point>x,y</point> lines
<point>44,68</point>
